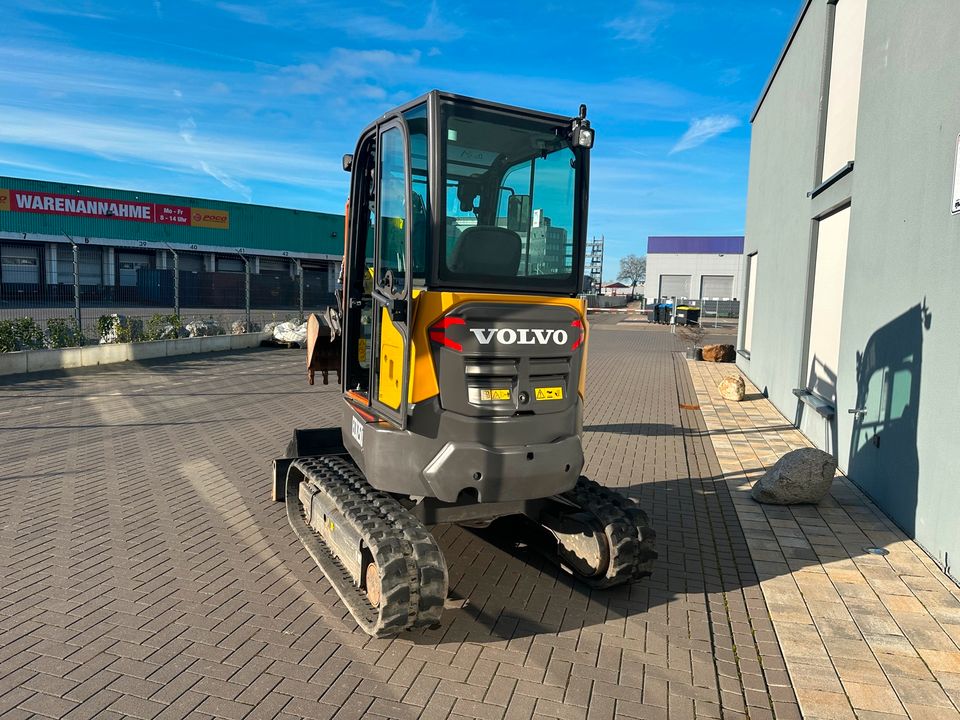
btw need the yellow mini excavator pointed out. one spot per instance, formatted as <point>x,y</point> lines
<point>460,344</point>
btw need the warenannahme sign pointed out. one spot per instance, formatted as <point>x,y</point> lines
<point>110,208</point>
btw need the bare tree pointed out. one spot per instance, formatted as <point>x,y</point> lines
<point>634,269</point>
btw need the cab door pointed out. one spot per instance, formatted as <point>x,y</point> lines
<point>390,370</point>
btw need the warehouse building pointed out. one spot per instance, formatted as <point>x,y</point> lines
<point>692,268</point>
<point>126,239</point>
<point>853,251</point>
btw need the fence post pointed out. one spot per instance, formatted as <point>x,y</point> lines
<point>76,283</point>
<point>300,283</point>
<point>246,290</point>
<point>176,283</point>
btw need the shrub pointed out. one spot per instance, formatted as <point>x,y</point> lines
<point>20,334</point>
<point>119,329</point>
<point>64,333</point>
<point>163,327</point>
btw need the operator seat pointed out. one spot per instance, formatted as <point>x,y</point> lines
<point>486,250</point>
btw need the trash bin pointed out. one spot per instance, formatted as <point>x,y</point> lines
<point>665,312</point>
<point>688,315</point>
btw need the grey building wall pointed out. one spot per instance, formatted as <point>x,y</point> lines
<point>898,358</point>
<point>694,264</point>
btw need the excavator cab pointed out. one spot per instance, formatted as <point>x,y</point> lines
<point>463,351</point>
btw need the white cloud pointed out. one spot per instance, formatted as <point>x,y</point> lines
<point>187,130</point>
<point>252,14</point>
<point>227,181</point>
<point>366,70</point>
<point>640,25</point>
<point>704,129</point>
<point>147,144</point>
<point>435,27</point>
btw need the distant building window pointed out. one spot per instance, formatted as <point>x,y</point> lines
<point>826,304</point>
<point>843,85</point>
<point>749,303</point>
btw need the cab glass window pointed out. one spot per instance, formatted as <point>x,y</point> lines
<point>511,198</point>
<point>393,211</point>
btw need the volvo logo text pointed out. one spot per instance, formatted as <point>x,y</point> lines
<point>520,336</point>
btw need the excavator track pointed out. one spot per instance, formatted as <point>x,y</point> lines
<point>621,546</point>
<point>398,578</point>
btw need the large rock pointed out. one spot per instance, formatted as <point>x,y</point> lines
<point>240,327</point>
<point>733,388</point>
<point>203,328</point>
<point>800,476</point>
<point>719,353</point>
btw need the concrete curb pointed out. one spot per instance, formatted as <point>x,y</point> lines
<point>27,361</point>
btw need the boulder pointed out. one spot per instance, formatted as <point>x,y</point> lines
<point>203,328</point>
<point>800,476</point>
<point>719,353</point>
<point>733,388</point>
<point>239,327</point>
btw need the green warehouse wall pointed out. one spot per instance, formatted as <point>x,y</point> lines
<point>255,228</point>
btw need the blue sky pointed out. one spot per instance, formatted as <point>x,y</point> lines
<point>258,101</point>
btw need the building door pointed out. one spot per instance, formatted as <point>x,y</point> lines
<point>229,264</point>
<point>129,264</point>
<point>826,311</point>
<point>674,286</point>
<point>90,265</point>
<point>188,262</point>
<point>274,266</point>
<point>883,447</point>
<point>20,264</point>
<point>716,286</point>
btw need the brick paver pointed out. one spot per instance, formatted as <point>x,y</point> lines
<point>863,635</point>
<point>145,572</point>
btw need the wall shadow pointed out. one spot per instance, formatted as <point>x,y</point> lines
<point>884,461</point>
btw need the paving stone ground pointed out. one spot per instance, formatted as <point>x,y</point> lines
<point>865,636</point>
<point>145,573</point>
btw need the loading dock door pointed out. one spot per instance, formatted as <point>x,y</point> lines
<point>129,264</point>
<point>677,286</point>
<point>188,262</point>
<point>90,259</point>
<point>716,286</point>
<point>20,264</point>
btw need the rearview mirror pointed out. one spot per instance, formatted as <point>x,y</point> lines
<point>518,213</point>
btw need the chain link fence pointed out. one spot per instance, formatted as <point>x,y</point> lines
<point>74,306</point>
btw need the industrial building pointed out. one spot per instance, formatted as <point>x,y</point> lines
<point>124,237</point>
<point>853,251</point>
<point>693,267</point>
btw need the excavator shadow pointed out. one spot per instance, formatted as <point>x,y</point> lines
<point>502,588</point>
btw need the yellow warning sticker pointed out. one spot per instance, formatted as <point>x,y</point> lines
<point>494,394</point>
<point>549,393</point>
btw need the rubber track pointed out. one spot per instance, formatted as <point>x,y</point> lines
<point>413,573</point>
<point>629,535</point>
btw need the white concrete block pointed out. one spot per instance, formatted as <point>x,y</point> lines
<point>12,363</point>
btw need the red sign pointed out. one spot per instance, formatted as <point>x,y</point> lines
<point>131,210</point>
